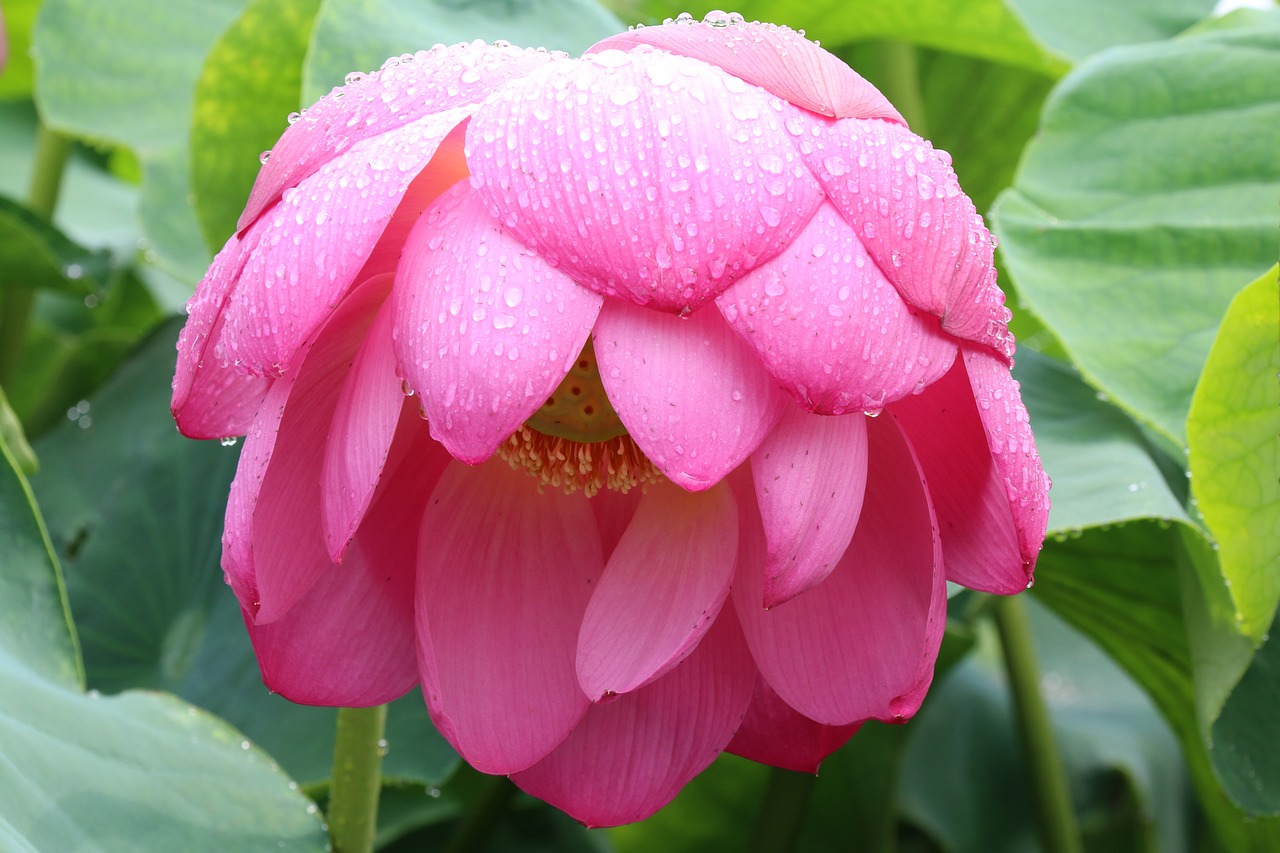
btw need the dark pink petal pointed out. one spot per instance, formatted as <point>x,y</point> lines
<point>629,757</point>
<point>485,330</point>
<point>647,176</point>
<point>692,396</point>
<point>504,574</point>
<point>661,589</point>
<point>972,436</point>
<point>904,202</point>
<point>307,251</point>
<point>862,643</point>
<point>350,640</point>
<point>404,90</point>
<point>210,398</point>
<point>831,328</point>
<point>775,733</point>
<point>273,544</point>
<point>777,59</point>
<point>810,476</point>
<point>613,511</point>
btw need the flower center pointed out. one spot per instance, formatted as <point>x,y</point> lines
<point>576,440</point>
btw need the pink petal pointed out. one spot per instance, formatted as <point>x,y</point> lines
<point>613,511</point>
<point>210,398</point>
<point>777,59</point>
<point>810,476</point>
<point>504,574</point>
<point>830,326</point>
<point>273,544</point>
<point>860,644</point>
<point>350,640</point>
<point>307,251</point>
<point>484,328</point>
<point>692,396</point>
<point>651,177</point>
<point>404,90</point>
<point>902,199</point>
<point>660,591</point>
<point>775,733</point>
<point>971,434</point>
<point>629,757</point>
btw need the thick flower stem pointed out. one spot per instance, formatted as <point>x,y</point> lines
<point>357,778</point>
<point>1057,820</point>
<point>902,83</point>
<point>16,300</point>
<point>477,825</point>
<point>786,801</point>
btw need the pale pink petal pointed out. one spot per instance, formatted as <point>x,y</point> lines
<point>273,545</point>
<point>810,476</point>
<point>775,733</point>
<point>903,201</point>
<point>648,176</point>
<point>661,589</point>
<point>210,398</point>
<point>829,325</point>
<point>374,426</point>
<point>306,252</point>
<point>777,59</point>
<point>860,644</point>
<point>692,396</point>
<point>350,640</point>
<point>404,90</point>
<point>504,574</point>
<point>485,330</point>
<point>629,757</point>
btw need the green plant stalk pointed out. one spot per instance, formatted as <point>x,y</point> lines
<point>477,825</point>
<point>16,299</point>
<point>785,804</point>
<point>357,778</point>
<point>1055,815</point>
<point>902,83</point>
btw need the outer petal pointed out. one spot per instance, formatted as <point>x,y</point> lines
<point>902,198</point>
<point>651,177</point>
<point>810,476</point>
<point>628,758</point>
<point>504,574</point>
<point>777,59</point>
<point>660,591</point>
<point>989,489</point>
<point>308,250</point>
<point>692,396</point>
<point>350,640</point>
<point>775,733</point>
<point>273,542</point>
<point>862,643</point>
<point>484,328</point>
<point>210,398</point>
<point>830,326</point>
<point>406,89</point>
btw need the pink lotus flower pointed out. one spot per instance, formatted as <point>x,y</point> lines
<point>640,509</point>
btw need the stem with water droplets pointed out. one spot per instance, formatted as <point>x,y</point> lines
<point>357,778</point>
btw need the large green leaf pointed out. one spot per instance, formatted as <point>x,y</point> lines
<point>137,510</point>
<point>84,772</point>
<point>1234,454</point>
<point>16,20</point>
<point>1147,197</point>
<point>1075,30</point>
<point>251,81</point>
<point>34,254</point>
<point>1247,731</point>
<point>125,73</point>
<point>358,35</point>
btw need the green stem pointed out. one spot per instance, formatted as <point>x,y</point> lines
<point>17,299</point>
<point>357,778</point>
<point>902,83</point>
<point>786,801</point>
<point>1056,817</point>
<point>477,826</point>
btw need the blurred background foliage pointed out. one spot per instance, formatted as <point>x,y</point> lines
<point>1126,155</point>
